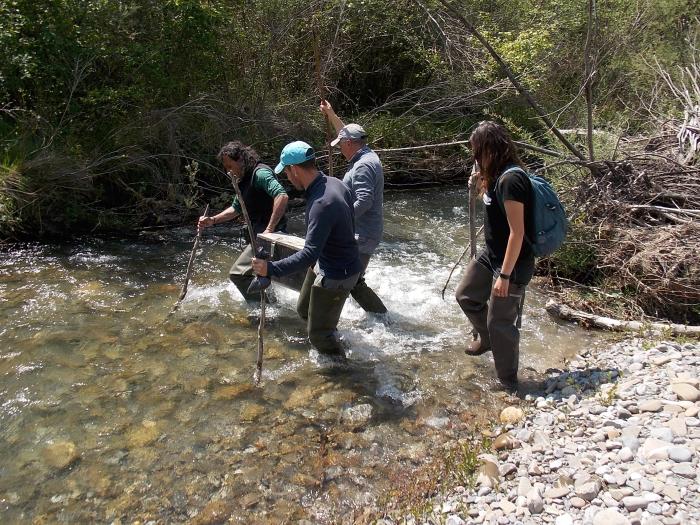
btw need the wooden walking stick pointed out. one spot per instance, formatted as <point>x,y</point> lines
<point>473,191</point>
<point>472,227</point>
<point>190,266</point>
<point>322,95</point>
<point>264,281</point>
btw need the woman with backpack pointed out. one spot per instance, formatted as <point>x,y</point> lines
<point>492,288</point>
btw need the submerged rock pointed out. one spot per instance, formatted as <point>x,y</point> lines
<point>61,454</point>
<point>231,391</point>
<point>358,416</point>
<point>143,434</point>
<point>214,513</point>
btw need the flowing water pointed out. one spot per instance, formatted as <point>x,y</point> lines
<point>109,412</point>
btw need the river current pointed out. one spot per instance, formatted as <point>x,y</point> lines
<point>113,412</point>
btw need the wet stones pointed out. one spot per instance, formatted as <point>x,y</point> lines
<point>143,434</point>
<point>357,416</point>
<point>60,455</point>
<point>231,391</point>
<point>215,513</point>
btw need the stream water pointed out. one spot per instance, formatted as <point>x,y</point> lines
<point>112,412</point>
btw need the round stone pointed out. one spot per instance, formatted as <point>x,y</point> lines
<point>610,517</point>
<point>680,454</point>
<point>511,415</point>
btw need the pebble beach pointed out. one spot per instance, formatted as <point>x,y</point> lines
<point>613,439</point>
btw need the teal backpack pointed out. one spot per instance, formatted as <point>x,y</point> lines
<point>549,218</point>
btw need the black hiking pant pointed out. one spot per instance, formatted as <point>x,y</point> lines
<point>494,318</point>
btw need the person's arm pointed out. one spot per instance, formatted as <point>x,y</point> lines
<point>363,186</point>
<point>279,206</point>
<point>515,213</point>
<point>227,215</point>
<point>317,233</point>
<point>327,110</point>
<point>266,181</point>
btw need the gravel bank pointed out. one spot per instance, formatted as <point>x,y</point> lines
<point>614,439</point>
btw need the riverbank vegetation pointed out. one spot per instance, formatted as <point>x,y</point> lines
<point>111,114</point>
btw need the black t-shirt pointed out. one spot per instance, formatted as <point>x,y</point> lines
<point>511,186</point>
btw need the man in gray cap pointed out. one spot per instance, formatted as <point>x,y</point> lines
<point>365,178</point>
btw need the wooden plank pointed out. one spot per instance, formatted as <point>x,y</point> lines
<point>280,246</point>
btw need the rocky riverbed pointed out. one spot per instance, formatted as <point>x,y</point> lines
<point>613,439</point>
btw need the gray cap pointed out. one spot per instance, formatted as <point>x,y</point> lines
<point>351,132</point>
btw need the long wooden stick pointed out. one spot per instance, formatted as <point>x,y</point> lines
<point>322,94</point>
<point>190,266</point>
<point>512,77</point>
<point>261,325</point>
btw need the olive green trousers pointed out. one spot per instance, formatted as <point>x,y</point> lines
<point>320,304</point>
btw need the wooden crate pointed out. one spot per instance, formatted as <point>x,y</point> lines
<point>279,246</point>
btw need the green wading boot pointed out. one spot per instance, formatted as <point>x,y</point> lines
<point>305,295</point>
<point>325,307</point>
<point>367,299</point>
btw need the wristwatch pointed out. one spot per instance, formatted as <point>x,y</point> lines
<point>505,276</point>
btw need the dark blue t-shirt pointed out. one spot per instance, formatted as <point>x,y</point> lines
<point>330,233</point>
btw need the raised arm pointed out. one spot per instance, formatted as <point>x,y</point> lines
<point>327,110</point>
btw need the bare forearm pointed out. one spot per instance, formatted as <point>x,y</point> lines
<point>279,206</point>
<point>515,243</point>
<point>335,121</point>
<point>227,215</point>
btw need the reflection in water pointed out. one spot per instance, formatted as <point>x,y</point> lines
<point>108,410</point>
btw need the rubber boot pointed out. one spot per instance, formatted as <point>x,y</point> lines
<point>367,299</point>
<point>241,274</point>
<point>305,295</point>
<point>325,307</point>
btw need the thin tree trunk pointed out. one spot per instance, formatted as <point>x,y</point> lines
<point>590,72</point>
<point>514,80</point>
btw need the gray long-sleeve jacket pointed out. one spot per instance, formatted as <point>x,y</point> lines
<point>365,178</point>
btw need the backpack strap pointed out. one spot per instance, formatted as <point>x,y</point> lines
<point>515,168</point>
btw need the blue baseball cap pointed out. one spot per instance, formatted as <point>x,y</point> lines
<point>294,153</point>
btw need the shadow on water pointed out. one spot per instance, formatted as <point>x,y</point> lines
<point>111,410</point>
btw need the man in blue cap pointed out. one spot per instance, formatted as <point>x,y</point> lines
<point>365,178</point>
<point>329,247</point>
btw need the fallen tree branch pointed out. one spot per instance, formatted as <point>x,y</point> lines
<point>561,311</point>
<point>523,145</point>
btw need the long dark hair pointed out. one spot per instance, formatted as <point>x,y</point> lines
<point>493,148</point>
<point>236,150</point>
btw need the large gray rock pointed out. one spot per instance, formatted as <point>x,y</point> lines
<point>587,489</point>
<point>680,454</point>
<point>650,405</point>
<point>534,501</point>
<point>686,392</point>
<point>633,503</point>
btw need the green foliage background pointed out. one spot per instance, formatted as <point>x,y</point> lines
<point>104,103</point>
